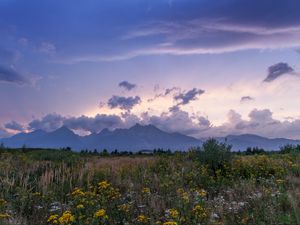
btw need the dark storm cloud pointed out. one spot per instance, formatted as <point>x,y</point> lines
<point>121,102</point>
<point>186,97</point>
<point>13,125</point>
<point>128,86</point>
<point>246,99</point>
<point>9,75</point>
<point>277,70</point>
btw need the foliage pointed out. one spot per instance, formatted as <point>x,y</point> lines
<point>198,187</point>
<point>216,155</point>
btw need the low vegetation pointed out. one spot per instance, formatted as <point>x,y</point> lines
<point>209,185</point>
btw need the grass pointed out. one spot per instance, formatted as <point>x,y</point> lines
<point>62,187</point>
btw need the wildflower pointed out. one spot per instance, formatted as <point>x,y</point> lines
<point>80,206</point>
<point>142,218</point>
<point>53,219</point>
<point>173,213</point>
<point>199,212</point>
<point>77,192</point>
<point>279,181</point>
<point>101,213</point>
<point>103,184</point>
<point>185,197</point>
<point>170,223</point>
<point>4,216</point>
<point>180,191</point>
<point>2,202</point>
<point>202,193</point>
<point>146,190</point>
<point>66,218</point>
<point>124,207</point>
<point>114,193</point>
<point>245,220</point>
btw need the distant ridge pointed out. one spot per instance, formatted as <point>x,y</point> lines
<point>243,141</point>
<point>139,137</point>
<point>136,138</point>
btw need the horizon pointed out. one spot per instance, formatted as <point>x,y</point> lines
<point>199,68</point>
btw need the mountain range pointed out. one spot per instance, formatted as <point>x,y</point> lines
<point>136,138</point>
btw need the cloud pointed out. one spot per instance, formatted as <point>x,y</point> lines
<point>259,122</point>
<point>49,122</point>
<point>8,56</point>
<point>191,27</point>
<point>126,103</point>
<point>93,124</point>
<point>200,36</point>
<point>277,70</point>
<point>167,92</point>
<point>186,97</point>
<point>178,121</point>
<point>128,86</point>
<point>9,75</point>
<point>246,99</point>
<point>4,133</point>
<point>47,48</point>
<point>13,125</point>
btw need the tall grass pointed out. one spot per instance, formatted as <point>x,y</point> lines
<point>61,187</point>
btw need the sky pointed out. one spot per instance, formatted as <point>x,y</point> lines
<point>200,67</point>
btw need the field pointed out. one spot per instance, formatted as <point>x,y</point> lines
<point>202,186</point>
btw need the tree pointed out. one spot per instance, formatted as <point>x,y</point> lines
<point>288,148</point>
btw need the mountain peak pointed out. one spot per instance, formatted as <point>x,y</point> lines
<point>63,130</point>
<point>144,127</point>
<point>105,131</point>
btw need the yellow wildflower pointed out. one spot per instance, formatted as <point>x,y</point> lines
<point>53,219</point>
<point>80,206</point>
<point>77,192</point>
<point>170,223</point>
<point>2,201</point>
<point>66,218</point>
<point>173,213</point>
<point>142,218</point>
<point>185,197</point>
<point>36,194</point>
<point>202,193</point>
<point>101,213</point>
<point>103,184</point>
<point>146,190</point>
<point>279,181</point>
<point>245,220</point>
<point>4,216</point>
<point>114,193</point>
<point>124,207</point>
<point>200,212</point>
<point>180,191</point>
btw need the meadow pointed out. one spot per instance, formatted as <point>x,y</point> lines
<point>208,185</point>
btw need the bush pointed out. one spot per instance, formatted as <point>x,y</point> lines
<point>215,155</point>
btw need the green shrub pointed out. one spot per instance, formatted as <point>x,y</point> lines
<point>215,155</point>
